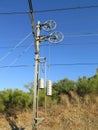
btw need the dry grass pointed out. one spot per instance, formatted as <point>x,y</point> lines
<point>78,114</point>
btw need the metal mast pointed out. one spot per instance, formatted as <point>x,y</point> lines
<point>54,37</point>
<point>36,34</point>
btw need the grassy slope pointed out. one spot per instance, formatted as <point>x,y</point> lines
<point>77,114</point>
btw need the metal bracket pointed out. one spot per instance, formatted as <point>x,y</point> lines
<point>40,38</point>
<point>39,120</point>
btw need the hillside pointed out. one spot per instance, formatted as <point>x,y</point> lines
<point>73,106</point>
<point>80,114</point>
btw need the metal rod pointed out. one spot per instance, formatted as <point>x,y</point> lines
<point>35,101</point>
<point>31,12</point>
<point>36,34</point>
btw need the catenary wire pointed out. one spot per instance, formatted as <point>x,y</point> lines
<point>7,47</point>
<point>16,66</point>
<point>66,35</point>
<point>64,9</point>
<point>15,60</point>
<point>71,44</point>
<point>50,10</point>
<point>48,44</point>
<point>81,35</point>
<point>51,65</point>
<point>16,46</point>
<point>73,64</point>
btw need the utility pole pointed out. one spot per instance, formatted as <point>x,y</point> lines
<point>35,101</point>
<point>54,37</point>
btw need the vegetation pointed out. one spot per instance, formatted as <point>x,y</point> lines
<point>14,100</point>
<point>19,100</point>
<point>73,105</point>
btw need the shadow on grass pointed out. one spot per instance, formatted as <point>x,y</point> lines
<point>12,124</point>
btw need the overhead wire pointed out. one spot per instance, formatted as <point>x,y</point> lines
<point>16,59</point>
<point>7,47</point>
<point>14,13</point>
<point>16,66</point>
<point>52,45</point>
<point>69,8</point>
<point>71,44</point>
<point>52,65</point>
<point>73,64</point>
<point>50,10</point>
<point>66,35</point>
<point>10,40</point>
<point>85,19</point>
<point>81,35</point>
<point>16,46</point>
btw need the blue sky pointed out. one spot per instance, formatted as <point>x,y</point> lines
<point>80,29</point>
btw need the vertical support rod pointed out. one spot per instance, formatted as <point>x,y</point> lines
<point>45,87</point>
<point>36,76</point>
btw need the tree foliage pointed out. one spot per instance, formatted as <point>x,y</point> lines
<point>14,99</point>
<point>20,100</point>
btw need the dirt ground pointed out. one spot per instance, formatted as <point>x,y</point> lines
<point>57,117</point>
